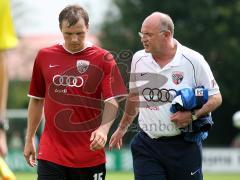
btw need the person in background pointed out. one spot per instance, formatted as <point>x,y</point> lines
<point>8,40</point>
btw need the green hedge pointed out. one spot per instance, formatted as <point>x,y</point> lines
<point>17,94</point>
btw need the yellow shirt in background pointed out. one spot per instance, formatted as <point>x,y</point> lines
<point>8,38</point>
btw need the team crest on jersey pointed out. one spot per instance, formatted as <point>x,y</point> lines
<point>177,77</point>
<point>82,66</point>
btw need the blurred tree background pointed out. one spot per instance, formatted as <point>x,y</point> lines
<point>17,95</point>
<point>207,26</point>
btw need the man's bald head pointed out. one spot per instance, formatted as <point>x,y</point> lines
<point>161,21</point>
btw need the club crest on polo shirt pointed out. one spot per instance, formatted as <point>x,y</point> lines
<point>82,66</point>
<point>177,77</point>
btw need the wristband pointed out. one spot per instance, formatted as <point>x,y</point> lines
<point>4,125</point>
<point>194,116</point>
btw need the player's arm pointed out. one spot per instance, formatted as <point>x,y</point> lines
<point>35,110</point>
<point>183,118</point>
<point>112,78</point>
<point>213,103</point>
<point>3,143</point>
<point>99,136</point>
<point>131,111</point>
<point>204,77</point>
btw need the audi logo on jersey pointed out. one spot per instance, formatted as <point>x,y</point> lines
<point>68,80</point>
<point>158,95</point>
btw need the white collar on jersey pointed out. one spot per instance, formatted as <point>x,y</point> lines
<point>87,44</point>
<point>176,61</point>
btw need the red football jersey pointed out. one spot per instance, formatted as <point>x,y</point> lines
<point>74,87</point>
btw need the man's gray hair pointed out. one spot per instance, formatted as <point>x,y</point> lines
<point>166,23</point>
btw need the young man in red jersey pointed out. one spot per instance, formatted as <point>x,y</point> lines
<point>71,80</point>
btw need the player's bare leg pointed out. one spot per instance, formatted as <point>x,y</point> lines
<point>3,100</point>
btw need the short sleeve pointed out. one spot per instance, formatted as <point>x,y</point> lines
<point>205,77</point>
<point>112,84</point>
<point>37,84</point>
<point>132,83</point>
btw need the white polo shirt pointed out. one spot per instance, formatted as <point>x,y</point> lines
<point>157,86</point>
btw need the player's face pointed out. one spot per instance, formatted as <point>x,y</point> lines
<point>74,36</point>
<point>151,37</point>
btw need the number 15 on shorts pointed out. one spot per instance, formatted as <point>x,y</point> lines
<point>98,176</point>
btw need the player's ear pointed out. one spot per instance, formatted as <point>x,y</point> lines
<point>167,33</point>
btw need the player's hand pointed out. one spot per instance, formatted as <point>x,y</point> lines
<point>181,118</point>
<point>30,152</point>
<point>116,139</point>
<point>3,144</point>
<point>98,139</point>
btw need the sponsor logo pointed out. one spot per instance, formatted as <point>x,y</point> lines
<point>68,80</point>
<point>159,95</point>
<point>52,66</point>
<point>192,173</point>
<point>61,91</point>
<point>82,66</point>
<point>153,108</point>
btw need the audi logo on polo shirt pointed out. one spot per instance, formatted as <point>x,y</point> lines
<point>158,95</point>
<point>66,80</point>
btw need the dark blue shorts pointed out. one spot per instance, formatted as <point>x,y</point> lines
<point>167,158</point>
<point>50,171</point>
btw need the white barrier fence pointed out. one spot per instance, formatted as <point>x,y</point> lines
<point>221,159</point>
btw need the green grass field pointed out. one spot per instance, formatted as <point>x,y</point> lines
<point>129,176</point>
